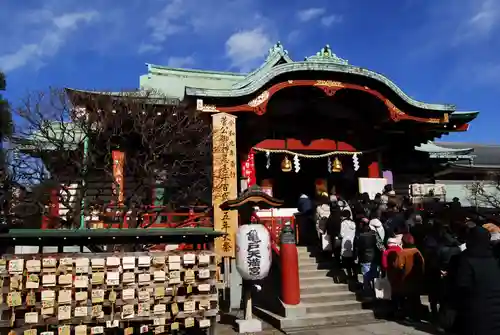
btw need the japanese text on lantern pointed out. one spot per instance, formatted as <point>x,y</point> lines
<point>224,181</point>
<point>253,254</point>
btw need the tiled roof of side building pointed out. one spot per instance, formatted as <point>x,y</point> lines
<point>485,154</point>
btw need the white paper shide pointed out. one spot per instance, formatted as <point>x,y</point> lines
<point>253,251</point>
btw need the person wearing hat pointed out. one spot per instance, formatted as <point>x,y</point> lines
<point>389,267</point>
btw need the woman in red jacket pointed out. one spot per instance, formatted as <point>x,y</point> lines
<point>394,244</point>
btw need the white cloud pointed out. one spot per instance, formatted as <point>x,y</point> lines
<point>54,34</point>
<point>309,14</point>
<point>70,20</point>
<point>180,62</point>
<point>479,22</point>
<point>294,36</point>
<point>167,21</point>
<point>246,48</point>
<point>148,48</point>
<point>327,21</point>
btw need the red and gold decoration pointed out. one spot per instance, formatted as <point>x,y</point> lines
<point>225,183</point>
<point>258,105</point>
<point>287,165</point>
<point>118,184</point>
<point>336,165</point>
<point>248,169</point>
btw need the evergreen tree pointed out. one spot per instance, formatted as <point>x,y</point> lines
<point>5,131</point>
<point>5,115</point>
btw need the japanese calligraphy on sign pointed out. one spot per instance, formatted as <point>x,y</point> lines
<point>224,181</point>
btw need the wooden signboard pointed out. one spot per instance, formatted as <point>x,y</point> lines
<point>225,182</point>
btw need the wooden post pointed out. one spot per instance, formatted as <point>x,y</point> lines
<point>224,181</point>
<point>224,187</point>
<point>373,170</point>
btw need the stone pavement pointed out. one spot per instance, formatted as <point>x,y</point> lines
<point>382,328</point>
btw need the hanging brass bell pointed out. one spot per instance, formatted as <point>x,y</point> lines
<point>286,165</point>
<point>337,165</point>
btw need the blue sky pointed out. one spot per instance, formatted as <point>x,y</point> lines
<point>436,51</point>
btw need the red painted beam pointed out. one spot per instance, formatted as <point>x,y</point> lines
<point>296,145</point>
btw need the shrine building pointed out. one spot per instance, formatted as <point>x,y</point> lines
<point>305,126</point>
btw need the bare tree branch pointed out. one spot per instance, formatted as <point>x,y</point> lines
<point>485,193</point>
<point>165,146</point>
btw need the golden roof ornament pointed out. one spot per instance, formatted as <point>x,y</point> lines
<point>325,55</point>
<point>337,165</point>
<point>286,165</point>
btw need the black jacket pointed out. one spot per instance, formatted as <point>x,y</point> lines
<point>367,247</point>
<point>477,287</point>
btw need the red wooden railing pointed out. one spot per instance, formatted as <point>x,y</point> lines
<point>168,219</point>
<point>274,224</point>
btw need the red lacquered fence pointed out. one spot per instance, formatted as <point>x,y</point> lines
<point>161,217</point>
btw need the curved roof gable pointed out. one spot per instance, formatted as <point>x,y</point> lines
<point>325,60</point>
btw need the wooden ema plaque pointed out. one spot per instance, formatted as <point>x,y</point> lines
<point>224,181</point>
<point>161,291</point>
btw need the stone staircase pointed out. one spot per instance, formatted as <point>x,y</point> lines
<point>324,301</point>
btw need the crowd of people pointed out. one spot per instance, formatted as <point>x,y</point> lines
<point>436,251</point>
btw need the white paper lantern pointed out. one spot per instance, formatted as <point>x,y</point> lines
<point>253,251</point>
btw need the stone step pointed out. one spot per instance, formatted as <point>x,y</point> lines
<point>328,296</point>
<point>316,280</point>
<point>315,266</point>
<point>332,306</point>
<point>313,273</point>
<point>334,319</point>
<point>323,287</point>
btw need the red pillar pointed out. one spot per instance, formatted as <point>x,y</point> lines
<point>289,258</point>
<point>52,213</point>
<point>373,170</point>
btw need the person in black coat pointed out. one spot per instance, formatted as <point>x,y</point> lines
<point>477,286</point>
<point>369,256</point>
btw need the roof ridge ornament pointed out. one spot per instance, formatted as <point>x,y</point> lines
<point>326,55</point>
<point>276,49</point>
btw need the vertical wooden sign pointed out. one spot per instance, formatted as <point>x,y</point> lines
<point>118,183</point>
<point>224,180</point>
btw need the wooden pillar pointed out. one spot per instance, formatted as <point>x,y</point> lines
<point>373,170</point>
<point>50,217</point>
<point>224,181</point>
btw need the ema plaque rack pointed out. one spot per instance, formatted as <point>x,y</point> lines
<point>100,293</point>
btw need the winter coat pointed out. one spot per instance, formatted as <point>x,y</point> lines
<point>406,272</point>
<point>366,247</point>
<point>322,216</point>
<point>347,233</point>
<point>385,255</point>
<point>477,287</point>
<point>305,205</point>
<point>376,226</point>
